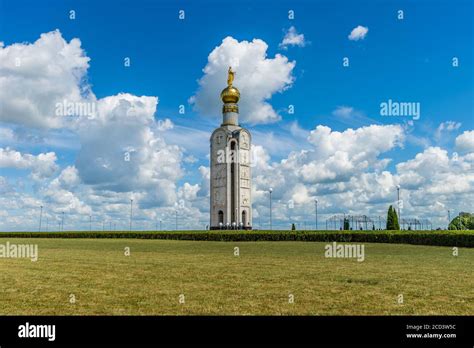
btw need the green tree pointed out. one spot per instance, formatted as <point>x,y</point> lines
<point>346,224</point>
<point>396,225</point>
<point>462,222</point>
<point>390,218</point>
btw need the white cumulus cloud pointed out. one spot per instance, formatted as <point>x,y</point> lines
<point>330,165</point>
<point>132,156</point>
<point>41,166</point>
<point>465,142</point>
<point>36,76</point>
<point>257,77</point>
<point>292,38</point>
<point>358,33</point>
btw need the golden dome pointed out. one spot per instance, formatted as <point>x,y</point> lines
<point>230,94</point>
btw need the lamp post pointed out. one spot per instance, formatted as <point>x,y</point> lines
<point>41,215</point>
<point>449,218</point>
<point>160,225</point>
<point>131,205</point>
<point>176,220</point>
<point>316,213</point>
<point>271,190</point>
<point>90,223</point>
<point>398,203</point>
<point>62,223</point>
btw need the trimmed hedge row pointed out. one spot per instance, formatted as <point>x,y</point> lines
<point>440,238</point>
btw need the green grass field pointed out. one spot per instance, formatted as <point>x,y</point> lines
<point>215,282</point>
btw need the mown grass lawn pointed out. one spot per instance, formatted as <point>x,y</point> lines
<point>215,282</point>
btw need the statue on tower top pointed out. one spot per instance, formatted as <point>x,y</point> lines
<point>230,77</point>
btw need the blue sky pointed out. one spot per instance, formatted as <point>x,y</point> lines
<point>408,60</point>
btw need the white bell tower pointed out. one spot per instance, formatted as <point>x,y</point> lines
<point>231,181</point>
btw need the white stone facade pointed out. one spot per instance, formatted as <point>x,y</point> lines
<point>231,179</point>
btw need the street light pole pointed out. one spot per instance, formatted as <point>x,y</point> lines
<point>41,215</point>
<point>398,200</point>
<point>131,205</point>
<point>271,226</point>
<point>62,224</point>
<point>176,212</point>
<point>449,218</point>
<point>316,212</point>
<point>90,223</point>
<point>398,204</point>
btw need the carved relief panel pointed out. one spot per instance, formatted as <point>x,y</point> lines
<point>245,196</point>
<point>244,140</point>
<point>220,175</point>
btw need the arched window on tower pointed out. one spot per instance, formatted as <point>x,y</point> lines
<point>244,218</point>
<point>221,216</point>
